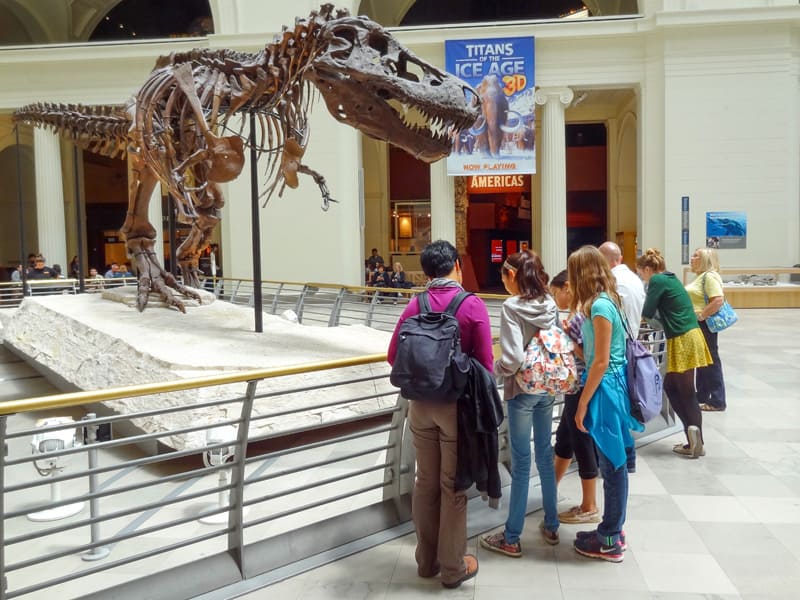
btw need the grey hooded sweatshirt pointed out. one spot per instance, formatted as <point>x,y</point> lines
<point>520,321</point>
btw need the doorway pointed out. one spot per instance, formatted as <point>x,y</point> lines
<point>587,194</point>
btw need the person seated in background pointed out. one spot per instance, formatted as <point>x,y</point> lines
<point>94,282</point>
<point>113,271</point>
<point>374,260</point>
<point>125,269</point>
<point>74,268</point>
<point>381,279</point>
<point>56,269</point>
<point>399,279</point>
<point>39,270</point>
<point>16,274</point>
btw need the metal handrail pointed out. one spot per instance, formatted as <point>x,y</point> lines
<point>92,396</point>
<point>314,303</point>
<point>246,488</point>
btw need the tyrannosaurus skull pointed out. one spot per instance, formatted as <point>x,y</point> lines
<point>372,83</point>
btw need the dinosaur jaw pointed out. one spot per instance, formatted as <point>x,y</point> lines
<point>389,113</point>
<point>372,83</point>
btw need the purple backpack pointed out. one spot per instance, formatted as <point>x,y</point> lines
<point>645,384</point>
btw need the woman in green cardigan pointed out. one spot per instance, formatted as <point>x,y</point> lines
<point>686,347</point>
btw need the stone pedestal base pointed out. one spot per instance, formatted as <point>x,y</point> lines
<point>87,342</point>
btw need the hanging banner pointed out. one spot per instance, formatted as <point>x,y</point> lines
<point>502,140</point>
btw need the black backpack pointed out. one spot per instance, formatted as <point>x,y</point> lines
<point>429,364</point>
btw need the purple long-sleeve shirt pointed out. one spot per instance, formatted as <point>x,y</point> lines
<point>473,321</point>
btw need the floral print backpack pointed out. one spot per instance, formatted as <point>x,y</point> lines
<point>549,365</point>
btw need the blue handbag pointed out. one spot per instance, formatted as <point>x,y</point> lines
<point>723,318</point>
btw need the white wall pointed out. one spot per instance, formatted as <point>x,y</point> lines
<point>719,121</point>
<point>300,241</point>
<point>260,16</point>
<point>731,139</point>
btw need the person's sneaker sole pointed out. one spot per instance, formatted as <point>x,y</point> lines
<point>615,558</point>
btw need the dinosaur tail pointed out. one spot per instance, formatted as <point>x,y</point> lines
<point>100,129</point>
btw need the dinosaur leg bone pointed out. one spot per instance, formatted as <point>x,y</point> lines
<point>189,251</point>
<point>140,238</point>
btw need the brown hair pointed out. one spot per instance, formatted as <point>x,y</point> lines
<point>530,274</point>
<point>652,258</point>
<point>589,276</point>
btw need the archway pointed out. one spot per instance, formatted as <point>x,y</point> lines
<point>134,19</point>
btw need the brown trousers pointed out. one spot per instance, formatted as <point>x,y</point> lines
<point>440,513</point>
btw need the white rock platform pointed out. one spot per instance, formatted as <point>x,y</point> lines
<point>89,342</point>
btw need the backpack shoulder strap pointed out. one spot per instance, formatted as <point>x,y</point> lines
<point>424,303</point>
<point>455,303</point>
<point>625,325</point>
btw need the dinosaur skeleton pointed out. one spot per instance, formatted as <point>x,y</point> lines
<point>178,128</point>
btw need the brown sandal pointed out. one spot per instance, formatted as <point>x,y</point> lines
<point>706,407</point>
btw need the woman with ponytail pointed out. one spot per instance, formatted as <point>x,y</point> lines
<point>686,347</point>
<point>529,309</point>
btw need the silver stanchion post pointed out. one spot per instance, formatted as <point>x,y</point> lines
<point>97,552</point>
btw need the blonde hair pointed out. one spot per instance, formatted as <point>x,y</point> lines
<point>652,258</point>
<point>589,276</point>
<point>707,260</point>
<point>398,266</point>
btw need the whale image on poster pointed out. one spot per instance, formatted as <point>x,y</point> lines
<point>502,139</point>
<point>726,229</point>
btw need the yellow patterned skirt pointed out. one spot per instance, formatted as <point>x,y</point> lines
<point>687,351</point>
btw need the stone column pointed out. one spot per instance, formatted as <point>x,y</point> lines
<point>443,204</point>
<point>554,176</point>
<point>155,218</point>
<point>52,237</point>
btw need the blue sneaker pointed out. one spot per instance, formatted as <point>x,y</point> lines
<point>586,534</point>
<point>593,547</point>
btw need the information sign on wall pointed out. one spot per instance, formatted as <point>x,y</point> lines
<point>685,230</point>
<point>726,230</point>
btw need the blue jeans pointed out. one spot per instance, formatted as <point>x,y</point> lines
<point>615,499</point>
<point>527,411</point>
<point>709,380</point>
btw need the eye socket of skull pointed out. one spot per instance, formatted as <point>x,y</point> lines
<point>342,43</point>
<point>379,42</point>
